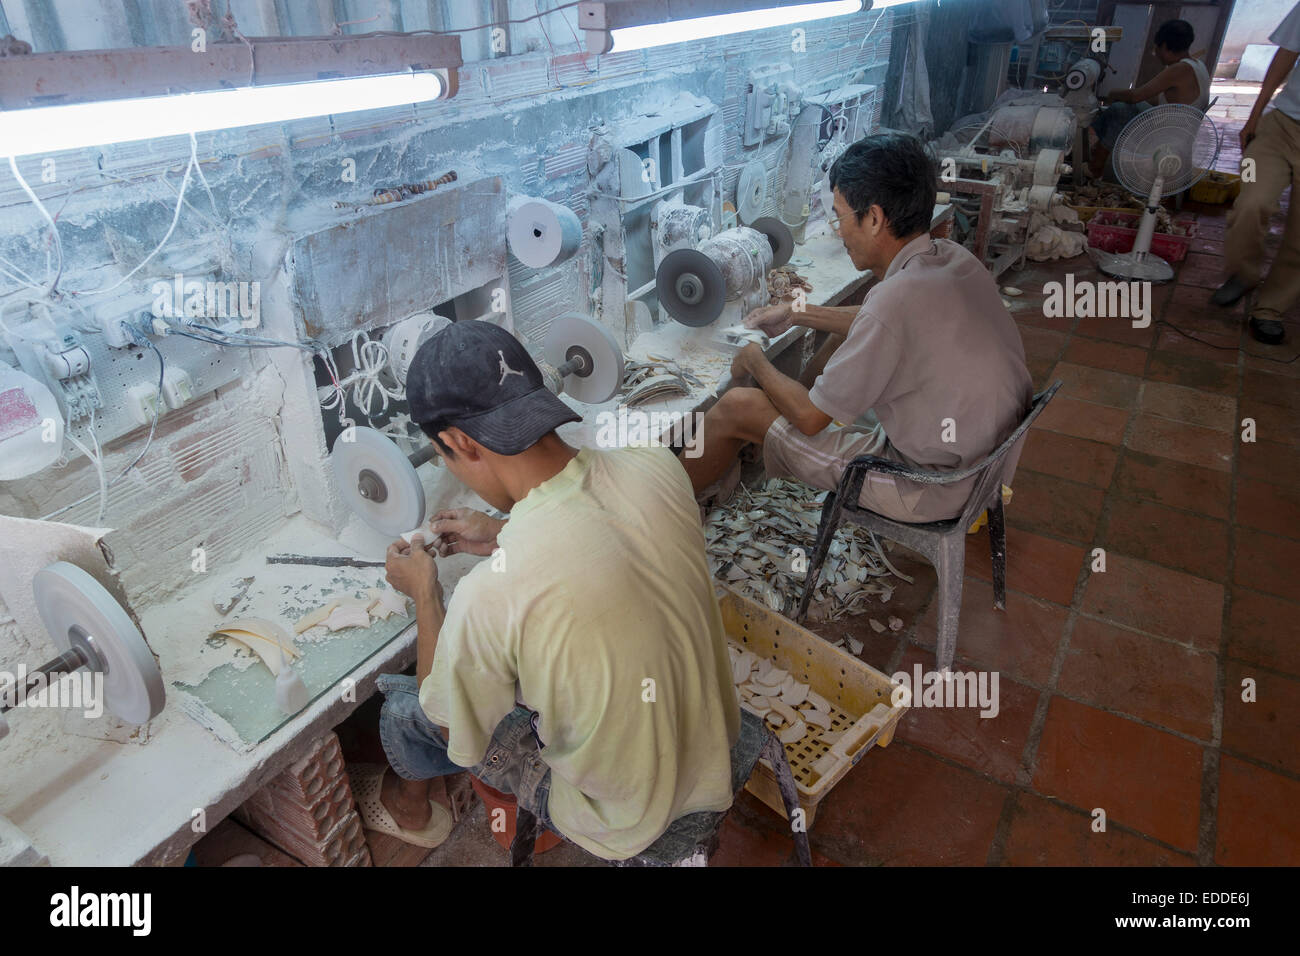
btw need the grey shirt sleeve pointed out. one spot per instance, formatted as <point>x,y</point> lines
<point>858,374</point>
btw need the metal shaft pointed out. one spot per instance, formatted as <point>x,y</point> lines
<point>73,659</point>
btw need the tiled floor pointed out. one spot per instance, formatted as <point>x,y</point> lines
<point>1120,690</point>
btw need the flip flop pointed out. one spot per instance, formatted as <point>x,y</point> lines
<point>367,781</point>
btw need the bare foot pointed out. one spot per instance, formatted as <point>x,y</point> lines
<point>406,800</point>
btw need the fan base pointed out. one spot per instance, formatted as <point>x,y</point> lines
<point>1141,266</point>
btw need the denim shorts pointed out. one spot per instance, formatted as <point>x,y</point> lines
<point>417,751</point>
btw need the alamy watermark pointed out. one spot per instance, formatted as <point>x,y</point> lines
<point>204,299</point>
<point>631,428</point>
<point>946,688</point>
<point>1103,300</point>
<point>83,690</point>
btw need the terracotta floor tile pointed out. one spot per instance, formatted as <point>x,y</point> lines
<point>1040,371</point>
<point>1143,778</point>
<point>1268,461</point>
<point>1050,453</point>
<point>1036,565</point>
<point>1087,384</point>
<point>1199,278</point>
<point>1046,834</point>
<point>1193,372</point>
<point>1267,563</point>
<point>1188,405</point>
<point>891,807</point>
<point>1042,343</point>
<point>1206,244</point>
<point>1271,389</point>
<point>1051,505</point>
<point>1191,444</point>
<point>1173,483</point>
<point>1264,358</point>
<point>742,845</point>
<point>1157,600</point>
<point>1125,359</point>
<point>1265,728</point>
<point>1175,539</point>
<point>1162,683</point>
<point>1198,319</point>
<point>1083,419</point>
<point>1116,330</point>
<point>1020,641</point>
<point>1272,422</point>
<point>990,745</point>
<point>1257,823</point>
<point>1262,630</point>
<point>1198,259</point>
<point>1032,318</point>
<point>1268,507</point>
<point>1190,297</point>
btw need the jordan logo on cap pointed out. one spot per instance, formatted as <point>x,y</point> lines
<point>506,369</point>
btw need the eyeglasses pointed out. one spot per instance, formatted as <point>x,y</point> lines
<point>834,223</point>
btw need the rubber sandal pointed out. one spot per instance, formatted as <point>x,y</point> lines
<point>367,781</point>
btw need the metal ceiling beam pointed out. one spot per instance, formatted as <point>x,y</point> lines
<point>79,76</point>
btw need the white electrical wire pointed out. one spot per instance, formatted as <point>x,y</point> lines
<point>180,200</point>
<point>95,459</point>
<point>54,229</point>
<point>370,362</point>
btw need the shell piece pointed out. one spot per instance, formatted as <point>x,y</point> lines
<point>876,625</point>
<point>796,695</point>
<point>264,638</point>
<point>788,713</point>
<point>345,616</point>
<point>1011,290</point>
<point>386,602</point>
<point>817,701</point>
<point>310,620</point>
<point>818,717</point>
<point>794,733</point>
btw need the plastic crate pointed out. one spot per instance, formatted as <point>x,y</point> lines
<point>854,690</point>
<point>1216,188</point>
<point>1112,231</point>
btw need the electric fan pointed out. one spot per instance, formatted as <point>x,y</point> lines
<point>1161,152</point>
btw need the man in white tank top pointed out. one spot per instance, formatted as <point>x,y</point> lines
<point>1184,79</point>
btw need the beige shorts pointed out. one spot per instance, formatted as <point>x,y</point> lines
<point>819,460</point>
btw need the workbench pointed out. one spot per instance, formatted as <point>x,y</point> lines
<point>99,803</point>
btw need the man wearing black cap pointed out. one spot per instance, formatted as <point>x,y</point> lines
<point>583,667</point>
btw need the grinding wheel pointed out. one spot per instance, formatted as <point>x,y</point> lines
<point>691,287</point>
<point>576,336</point>
<point>378,482</point>
<point>751,191</point>
<point>79,612</point>
<point>779,236</point>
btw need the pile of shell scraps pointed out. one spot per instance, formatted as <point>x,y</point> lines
<point>784,283</point>
<point>752,541</point>
<point>655,378</point>
<point>773,694</point>
<point>1105,195</point>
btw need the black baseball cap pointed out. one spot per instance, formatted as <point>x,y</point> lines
<point>480,378</point>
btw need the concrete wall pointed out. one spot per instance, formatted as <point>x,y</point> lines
<point>1252,21</point>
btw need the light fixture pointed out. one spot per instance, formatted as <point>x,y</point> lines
<point>616,26</point>
<point>57,101</point>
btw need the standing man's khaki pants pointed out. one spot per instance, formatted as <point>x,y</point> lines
<point>1276,152</point>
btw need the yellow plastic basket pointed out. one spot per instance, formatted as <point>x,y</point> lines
<point>1216,188</point>
<point>853,688</point>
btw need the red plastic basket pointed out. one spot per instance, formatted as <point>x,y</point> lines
<point>1117,231</point>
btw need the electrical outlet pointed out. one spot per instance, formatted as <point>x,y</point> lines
<point>177,388</point>
<point>143,402</point>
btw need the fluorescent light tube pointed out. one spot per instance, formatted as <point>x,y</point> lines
<point>681,31</point>
<point>47,129</point>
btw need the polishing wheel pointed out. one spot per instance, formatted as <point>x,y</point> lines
<point>779,236</point>
<point>93,631</point>
<point>586,357</point>
<point>378,482</point>
<point>691,287</point>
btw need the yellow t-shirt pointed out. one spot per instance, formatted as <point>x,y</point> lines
<point>603,612</point>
